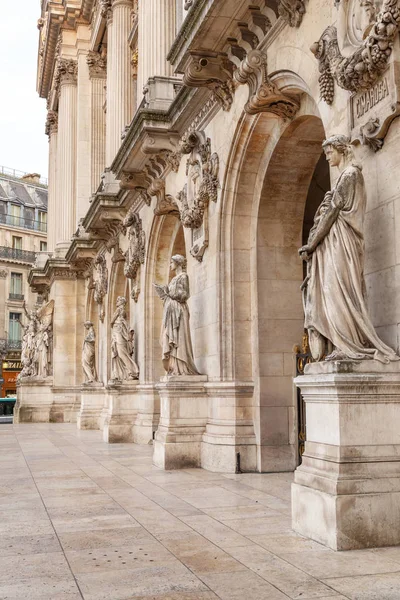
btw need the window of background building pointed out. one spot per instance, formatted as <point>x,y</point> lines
<point>16,283</point>
<point>29,216</point>
<point>17,242</point>
<point>14,327</point>
<point>15,210</point>
<point>43,246</point>
<point>42,221</point>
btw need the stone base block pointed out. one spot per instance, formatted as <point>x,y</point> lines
<point>148,415</point>
<point>120,414</point>
<point>93,398</point>
<point>226,458</point>
<point>34,401</point>
<point>346,522</point>
<point>346,493</point>
<point>183,417</point>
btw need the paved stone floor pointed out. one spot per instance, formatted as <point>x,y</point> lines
<point>83,519</point>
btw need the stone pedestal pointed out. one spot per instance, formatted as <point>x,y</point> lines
<point>34,401</point>
<point>148,415</point>
<point>93,397</point>
<point>120,414</point>
<point>39,401</point>
<point>230,430</point>
<point>183,418</point>
<point>346,493</point>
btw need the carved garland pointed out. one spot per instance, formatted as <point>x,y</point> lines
<point>362,69</point>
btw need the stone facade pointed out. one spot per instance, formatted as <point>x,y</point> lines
<point>198,132</point>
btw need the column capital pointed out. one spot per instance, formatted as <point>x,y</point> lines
<point>51,122</point>
<point>67,71</point>
<point>97,64</point>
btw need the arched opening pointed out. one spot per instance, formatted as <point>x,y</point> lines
<point>296,180</point>
<point>169,241</point>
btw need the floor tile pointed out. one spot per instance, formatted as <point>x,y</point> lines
<point>370,587</point>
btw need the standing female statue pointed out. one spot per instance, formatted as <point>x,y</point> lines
<point>334,293</point>
<point>176,343</point>
<point>123,367</point>
<point>89,353</point>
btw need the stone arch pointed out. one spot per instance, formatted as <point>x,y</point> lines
<point>166,239</point>
<point>270,167</point>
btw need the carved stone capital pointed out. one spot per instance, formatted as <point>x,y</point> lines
<point>67,71</point>
<point>105,9</point>
<point>214,71</point>
<point>51,122</point>
<point>264,95</point>
<point>97,65</point>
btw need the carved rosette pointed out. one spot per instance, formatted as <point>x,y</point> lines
<point>135,254</point>
<point>51,122</point>
<point>264,95</point>
<point>362,68</point>
<point>97,64</point>
<point>214,71</point>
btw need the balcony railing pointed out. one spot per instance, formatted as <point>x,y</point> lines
<point>13,344</point>
<point>15,174</point>
<point>15,296</point>
<point>15,254</point>
<point>23,222</point>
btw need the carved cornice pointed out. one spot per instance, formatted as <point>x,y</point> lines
<point>97,64</point>
<point>51,122</point>
<point>264,95</point>
<point>212,70</point>
<point>363,68</point>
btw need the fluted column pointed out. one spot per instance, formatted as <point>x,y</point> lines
<point>52,132</point>
<point>157,31</point>
<point>119,76</point>
<point>97,73</point>
<point>66,153</point>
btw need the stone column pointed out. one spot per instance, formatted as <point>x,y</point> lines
<point>97,73</point>
<point>83,116</point>
<point>157,31</point>
<point>119,76</point>
<point>52,132</point>
<point>66,154</point>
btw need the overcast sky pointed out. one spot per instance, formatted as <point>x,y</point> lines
<point>23,143</point>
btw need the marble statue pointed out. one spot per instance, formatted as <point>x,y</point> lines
<point>334,293</point>
<point>42,357</point>
<point>123,366</point>
<point>89,354</point>
<point>175,340</point>
<point>28,343</point>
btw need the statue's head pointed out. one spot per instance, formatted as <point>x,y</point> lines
<point>338,149</point>
<point>88,324</point>
<point>121,301</point>
<point>178,261</point>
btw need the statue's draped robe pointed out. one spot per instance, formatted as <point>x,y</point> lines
<point>175,339</point>
<point>123,366</point>
<point>335,297</point>
<point>88,357</point>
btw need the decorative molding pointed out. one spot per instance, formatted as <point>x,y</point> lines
<point>105,9</point>
<point>362,69</point>
<point>212,70</point>
<point>3,274</point>
<point>97,64</point>
<point>51,122</point>
<point>264,95</point>
<point>135,254</point>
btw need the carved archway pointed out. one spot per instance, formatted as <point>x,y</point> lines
<point>272,164</point>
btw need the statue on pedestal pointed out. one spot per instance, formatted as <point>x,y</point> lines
<point>123,366</point>
<point>28,343</point>
<point>175,340</point>
<point>334,293</point>
<point>89,354</point>
<point>43,341</point>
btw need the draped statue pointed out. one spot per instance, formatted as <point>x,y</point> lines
<point>37,341</point>
<point>89,354</point>
<point>334,293</point>
<point>175,340</point>
<point>28,343</point>
<point>123,366</point>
